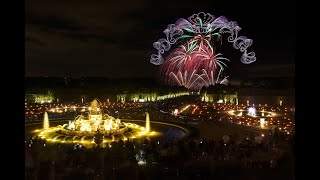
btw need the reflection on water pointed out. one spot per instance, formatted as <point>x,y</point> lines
<point>166,132</point>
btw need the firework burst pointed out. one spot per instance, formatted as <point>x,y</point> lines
<point>195,61</point>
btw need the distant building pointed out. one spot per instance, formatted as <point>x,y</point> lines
<point>146,97</point>
<point>220,94</point>
<point>39,98</point>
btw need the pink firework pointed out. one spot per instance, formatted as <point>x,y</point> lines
<point>195,62</point>
<point>180,59</point>
<point>197,57</point>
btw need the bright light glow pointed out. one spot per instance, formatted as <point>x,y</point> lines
<point>251,111</point>
<point>220,101</point>
<point>176,111</point>
<point>142,163</point>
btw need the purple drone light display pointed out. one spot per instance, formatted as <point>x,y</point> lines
<point>194,61</point>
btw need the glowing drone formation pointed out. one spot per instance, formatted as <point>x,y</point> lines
<point>195,61</point>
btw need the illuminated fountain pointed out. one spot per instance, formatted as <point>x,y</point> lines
<point>84,128</point>
<point>147,122</point>
<point>262,122</point>
<point>45,121</point>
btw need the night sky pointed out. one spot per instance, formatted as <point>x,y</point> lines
<point>114,40</point>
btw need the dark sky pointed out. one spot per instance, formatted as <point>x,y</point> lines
<point>99,38</point>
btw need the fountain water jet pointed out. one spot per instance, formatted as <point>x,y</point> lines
<point>45,121</point>
<point>82,139</point>
<point>55,137</point>
<point>147,122</point>
<point>74,138</point>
